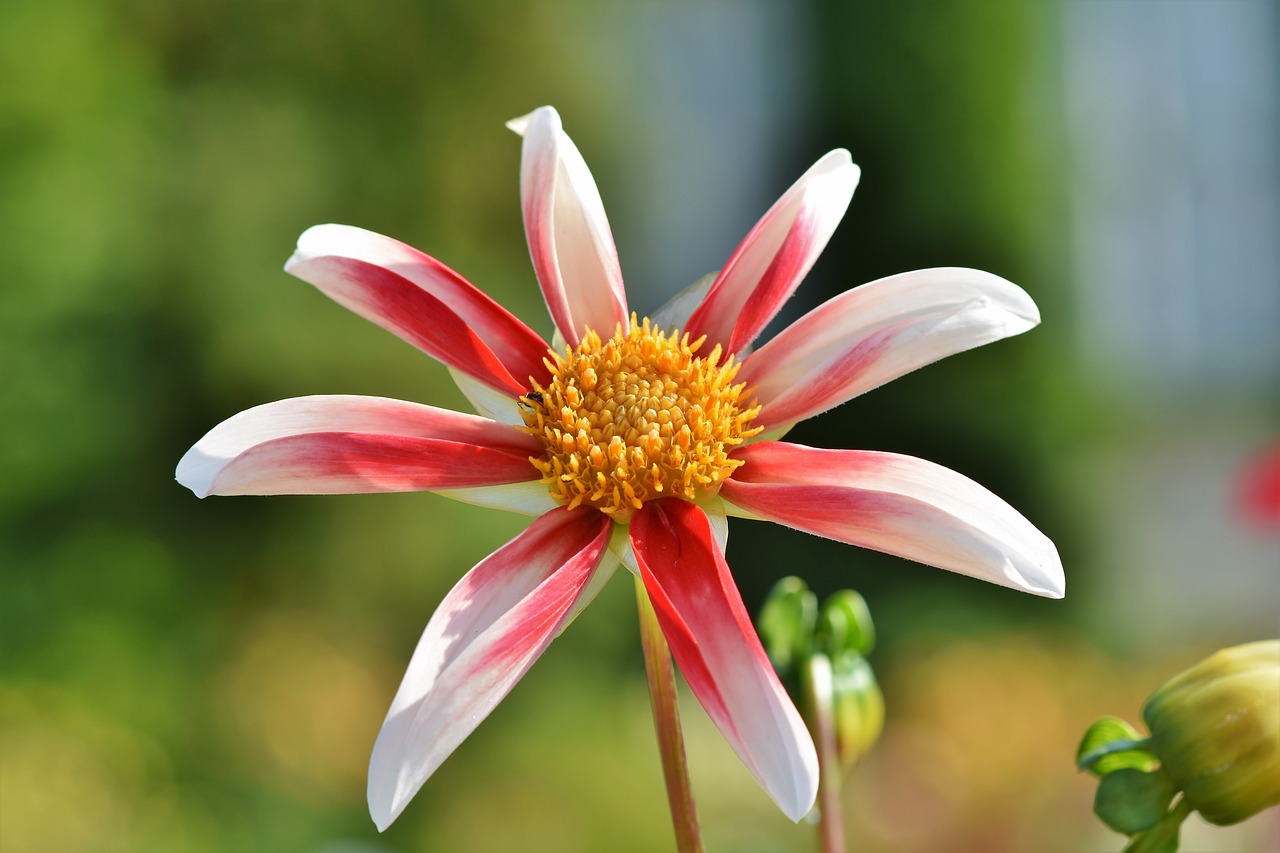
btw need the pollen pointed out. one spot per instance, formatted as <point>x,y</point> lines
<point>637,417</point>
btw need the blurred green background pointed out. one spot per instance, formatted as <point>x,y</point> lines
<point>186,675</point>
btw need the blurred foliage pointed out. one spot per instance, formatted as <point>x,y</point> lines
<point>944,107</point>
<point>185,675</point>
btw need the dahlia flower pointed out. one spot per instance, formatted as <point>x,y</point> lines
<point>631,441</point>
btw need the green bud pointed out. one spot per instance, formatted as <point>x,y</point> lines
<point>845,624</point>
<point>1216,729</point>
<point>786,624</point>
<point>859,707</point>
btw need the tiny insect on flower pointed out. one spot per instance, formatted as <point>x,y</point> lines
<point>631,445</point>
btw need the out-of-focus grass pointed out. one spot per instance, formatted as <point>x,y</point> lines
<point>977,757</point>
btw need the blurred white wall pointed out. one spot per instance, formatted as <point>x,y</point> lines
<point>1173,114</point>
<point>1174,127</point>
<point>717,98</point>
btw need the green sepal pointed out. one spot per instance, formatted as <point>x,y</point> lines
<point>845,625</point>
<point>1130,801</point>
<point>1112,744</point>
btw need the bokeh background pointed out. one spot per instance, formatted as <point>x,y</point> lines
<point>203,676</point>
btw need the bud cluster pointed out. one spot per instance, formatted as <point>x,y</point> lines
<point>828,645</point>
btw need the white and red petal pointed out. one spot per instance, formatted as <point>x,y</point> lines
<point>713,642</point>
<point>422,301</point>
<point>897,504</point>
<point>346,444</point>
<point>485,635</point>
<point>776,255</point>
<point>497,404</point>
<point>570,242</point>
<point>877,332</point>
<point>620,544</point>
<point>676,312</point>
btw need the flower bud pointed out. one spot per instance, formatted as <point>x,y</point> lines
<point>1216,730</point>
<point>786,626</point>
<point>845,625</point>
<point>859,707</point>
<point>819,655</point>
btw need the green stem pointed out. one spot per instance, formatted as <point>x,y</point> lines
<point>818,696</point>
<point>1163,837</point>
<point>666,722</point>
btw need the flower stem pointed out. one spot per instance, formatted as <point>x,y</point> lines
<point>666,722</point>
<point>819,698</point>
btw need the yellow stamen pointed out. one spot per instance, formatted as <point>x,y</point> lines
<point>637,417</point>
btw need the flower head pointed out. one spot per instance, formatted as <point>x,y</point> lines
<point>630,443</point>
<point>638,417</point>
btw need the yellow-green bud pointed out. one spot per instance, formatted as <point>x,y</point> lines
<point>859,707</point>
<point>1216,729</point>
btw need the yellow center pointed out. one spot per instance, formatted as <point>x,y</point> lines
<point>635,418</point>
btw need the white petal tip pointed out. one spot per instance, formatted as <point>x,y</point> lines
<point>1032,316</point>
<point>797,812</point>
<point>840,160</point>
<point>1043,589</point>
<point>521,124</point>
<point>196,470</point>
<point>385,807</point>
<point>997,293</point>
<point>195,491</point>
<point>312,243</point>
<point>1056,591</point>
<point>1049,581</point>
<point>835,157</point>
<point>796,792</point>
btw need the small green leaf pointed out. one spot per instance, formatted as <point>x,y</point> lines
<point>787,622</point>
<point>845,624</point>
<point>1112,744</point>
<point>1130,801</point>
